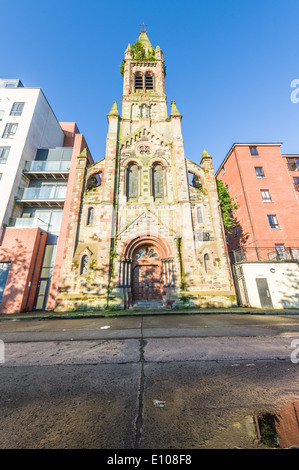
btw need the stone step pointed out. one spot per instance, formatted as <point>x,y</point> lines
<point>148,304</point>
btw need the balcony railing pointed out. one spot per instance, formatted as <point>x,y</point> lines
<point>264,254</point>
<point>29,223</point>
<point>48,169</point>
<point>287,253</point>
<point>50,195</point>
<point>43,166</point>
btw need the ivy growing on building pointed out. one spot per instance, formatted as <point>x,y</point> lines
<point>227,206</point>
<point>138,52</point>
<point>122,67</point>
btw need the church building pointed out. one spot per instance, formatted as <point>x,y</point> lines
<point>145,228</point>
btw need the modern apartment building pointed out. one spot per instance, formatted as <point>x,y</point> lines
<point>37,155</point>
<point>264,184</point>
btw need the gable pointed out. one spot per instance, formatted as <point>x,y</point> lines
<point>146,222</point>
<point>146,134</point>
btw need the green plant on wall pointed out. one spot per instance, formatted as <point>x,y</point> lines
<point>122,67</point>
<point>227,206</point>
<point>183,279</point>
<point>138,52</point>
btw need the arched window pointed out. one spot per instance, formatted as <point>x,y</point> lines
<point>194,180</point>
<point>199,215</point>
<point>149,81</point>
<point>90,215</point>
<point>132,181</point>
<point>94,181</point>
<point>207,263</point>
<point>138,81</point>
<point>84,264</point>
<point>158,190</point>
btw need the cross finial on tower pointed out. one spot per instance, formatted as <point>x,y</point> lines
<point>143,30</point>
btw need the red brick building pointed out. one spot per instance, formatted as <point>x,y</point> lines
<point>265,185</point>
<point>33,243</point>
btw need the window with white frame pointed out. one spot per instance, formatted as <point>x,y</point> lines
<point>273,221</point>
<point>259,172</point>
<point>280,250</point>
<point>253,151</point>
<point>17,109</point>
<point>266,195</point>
<point>4,152</point>
<point>10,130</point>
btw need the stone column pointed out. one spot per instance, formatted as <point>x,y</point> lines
<point>172,273</point>
<point>164,271</point>
<point>167,273</point>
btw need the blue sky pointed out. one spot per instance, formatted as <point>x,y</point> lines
<point>230,64</point>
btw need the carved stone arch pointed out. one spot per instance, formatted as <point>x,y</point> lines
<point>131,245</point>
<point>161,160</point>
<point>94,179</point>
<point>84,261</point>
<point>195,180</point>
<point>207,260</point>
<point>149,80</point>
<point>146,268</point>
<point>135,111</point>
<point>154,111</point>
<point>145,133</point>
<point>90,215</point>
<point>131,161</point>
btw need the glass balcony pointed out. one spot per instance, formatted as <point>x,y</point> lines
<point>48,169</point>
<point>48,166</point>
<point>49,194</point>
<point>29,223</point>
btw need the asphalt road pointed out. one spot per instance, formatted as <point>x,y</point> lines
<point>95,383</point>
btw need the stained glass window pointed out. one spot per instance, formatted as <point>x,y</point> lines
<point>158,181</point>
<point>146,252</point>
<point>132,182</point>
<point>84,264</point>
<point>90,216</point>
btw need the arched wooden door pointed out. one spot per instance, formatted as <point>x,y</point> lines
<point>147,274</point>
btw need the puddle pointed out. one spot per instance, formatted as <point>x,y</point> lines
<point>280,430</point>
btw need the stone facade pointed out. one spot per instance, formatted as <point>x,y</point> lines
<point>139,232</point>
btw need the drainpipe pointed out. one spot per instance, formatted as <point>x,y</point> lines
<point>33,273</point>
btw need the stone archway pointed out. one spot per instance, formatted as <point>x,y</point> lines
<point>147,283</point>
<point>146,269</point>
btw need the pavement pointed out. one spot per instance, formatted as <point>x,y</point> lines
<point>49,315</point>
<point>94,382</point>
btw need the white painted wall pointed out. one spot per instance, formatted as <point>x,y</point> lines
<point>37,127</point>
<point>283,283</point>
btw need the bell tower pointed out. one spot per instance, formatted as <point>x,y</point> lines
<point>144,84</point>
<point>156,234</point>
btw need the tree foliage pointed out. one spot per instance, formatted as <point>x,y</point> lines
<point>227,206</point>
<point>138,52</point>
